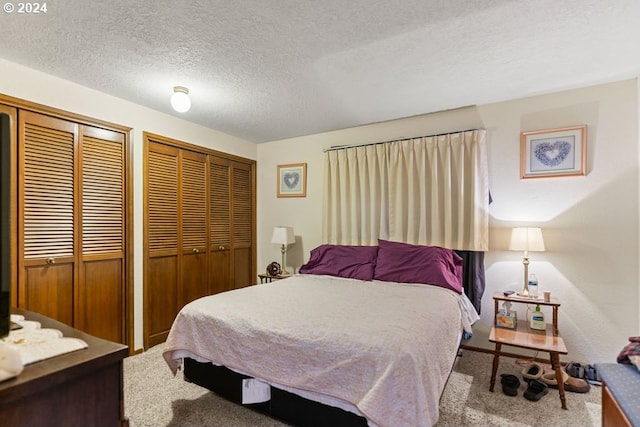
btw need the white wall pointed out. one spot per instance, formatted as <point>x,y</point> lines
<point>305,214</point>
<point>31,85</point>
<point>638,133</point>
<point>590,224</point>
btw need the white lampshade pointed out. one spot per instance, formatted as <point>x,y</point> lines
<point>526,239</point>
<point>180,100</point>
<point>283,235</point>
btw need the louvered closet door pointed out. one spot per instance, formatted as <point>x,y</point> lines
<point>220,224</point>
<point>46,187</point>
<point>161,296</point>
<point>242,225</point>
<point>102,268</point>
<point>193,167</point>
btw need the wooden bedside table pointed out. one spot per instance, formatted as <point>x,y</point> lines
<point>269,278</point>
<point>523,336</point>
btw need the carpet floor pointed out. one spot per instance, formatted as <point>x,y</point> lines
<point>155,398</point>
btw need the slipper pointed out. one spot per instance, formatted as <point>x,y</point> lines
<point>575,370</point>
<point>549,378</point>
<point>510,384</point>
<point>592,376</point>
<point>533,371</point>
<point>576,385</point>
<point>536,390</point>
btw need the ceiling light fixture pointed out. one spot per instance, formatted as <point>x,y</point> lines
<point>180,100</point>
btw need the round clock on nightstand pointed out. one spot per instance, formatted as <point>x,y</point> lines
<point>274,269</point>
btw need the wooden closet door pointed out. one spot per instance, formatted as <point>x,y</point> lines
<point>102,265</point>
<point>47,166</point>
<point>161,295</point>
<point>220,224</point>
<point>194,204</point>
<point>242,225</point>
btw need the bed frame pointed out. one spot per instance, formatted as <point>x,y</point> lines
<point>287,407</point>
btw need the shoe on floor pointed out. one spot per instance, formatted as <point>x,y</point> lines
<point>575,370</point>
<point>549,378</point>
<point>576,385</point>
<point>510,384</point>
<point>592,376</point>
<point>536,390</point>
<point>532,371</point>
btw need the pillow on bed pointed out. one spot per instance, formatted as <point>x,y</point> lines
<point>406,263</point>
<point>353,262</point>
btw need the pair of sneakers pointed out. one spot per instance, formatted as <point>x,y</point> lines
<point>588,373</point>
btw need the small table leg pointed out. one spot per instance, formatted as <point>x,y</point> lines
<point>496,362</point>
<point>555,363</point>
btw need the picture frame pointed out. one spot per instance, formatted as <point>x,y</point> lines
<point>553,152</point>
<point>292,180</point>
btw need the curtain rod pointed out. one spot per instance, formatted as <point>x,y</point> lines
<point>342,147</point>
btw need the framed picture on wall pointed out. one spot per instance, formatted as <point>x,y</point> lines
<point>292,180</point>
<point>553,152</point>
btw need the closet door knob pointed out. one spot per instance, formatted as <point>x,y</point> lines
<point>195,250</point>
<point>51,261</point>
<point>221,247</point>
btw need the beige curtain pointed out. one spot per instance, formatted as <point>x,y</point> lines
<point>431,190</point>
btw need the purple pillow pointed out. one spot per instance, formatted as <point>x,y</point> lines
<point>354,262</point>
<point>431,265</point>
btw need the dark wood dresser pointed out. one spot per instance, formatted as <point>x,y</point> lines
<point>82,388</point>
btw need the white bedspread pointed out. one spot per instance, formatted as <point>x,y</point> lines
<point>386,348</point>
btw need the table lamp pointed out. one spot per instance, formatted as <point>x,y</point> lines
<point>526,239</point>
<point>283,236</point>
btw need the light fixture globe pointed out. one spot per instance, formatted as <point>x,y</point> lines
<point>180,100</point>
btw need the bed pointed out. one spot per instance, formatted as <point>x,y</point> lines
<point>367,350</point>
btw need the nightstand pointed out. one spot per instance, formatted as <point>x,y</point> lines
<point>523,336</point>
<point>269,278</point>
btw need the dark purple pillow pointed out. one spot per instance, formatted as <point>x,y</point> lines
<point>354,262</point>
<point>406,263</point>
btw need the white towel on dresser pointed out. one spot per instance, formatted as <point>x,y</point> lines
<point>34,343</point>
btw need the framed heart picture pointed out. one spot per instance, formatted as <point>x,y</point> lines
<point>292,180</point>
<point>553,152</point>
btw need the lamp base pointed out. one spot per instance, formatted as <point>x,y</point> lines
<point>284,267</point>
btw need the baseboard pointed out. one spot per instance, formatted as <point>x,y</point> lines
<point>137,351</point>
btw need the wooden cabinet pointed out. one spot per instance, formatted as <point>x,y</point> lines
<point>161,208</point>
<point>199,228</point>
<point>232,224</point>
<point>71,229</point>
<point>46,205</point>
<point>81,388</point>
<point>220,224</point>
<point>243,225</point>
<point>101,275</point>
<point>194,204</point>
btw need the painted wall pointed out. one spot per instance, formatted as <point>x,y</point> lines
<point>34,86</point>
<point>590,224</point>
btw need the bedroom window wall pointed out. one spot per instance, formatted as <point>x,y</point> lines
<point>431,190</point>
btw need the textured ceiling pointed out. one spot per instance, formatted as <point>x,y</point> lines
<point>265,70</point>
